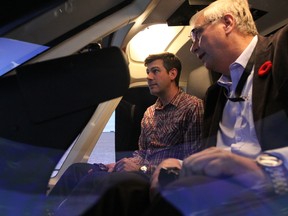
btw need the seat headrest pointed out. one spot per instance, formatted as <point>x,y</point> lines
<point>198,82</point>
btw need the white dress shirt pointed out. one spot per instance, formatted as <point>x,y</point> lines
<point>237,131</point>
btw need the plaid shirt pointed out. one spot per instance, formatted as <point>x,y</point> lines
<point>172,131</point>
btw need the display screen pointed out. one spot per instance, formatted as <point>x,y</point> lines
<point>14,53</point>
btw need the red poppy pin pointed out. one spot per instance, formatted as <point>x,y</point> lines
<point>265,68</point>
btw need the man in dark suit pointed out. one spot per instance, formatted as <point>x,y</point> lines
<point>245,120</point>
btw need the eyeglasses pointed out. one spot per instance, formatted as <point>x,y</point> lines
<point>196,33</point>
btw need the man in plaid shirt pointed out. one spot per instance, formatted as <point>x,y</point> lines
<point>170,128</point>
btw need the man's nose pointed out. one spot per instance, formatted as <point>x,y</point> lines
<point>194,47</point>
<point>149,75</point>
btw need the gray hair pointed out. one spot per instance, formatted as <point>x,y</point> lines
<point>239,9</point>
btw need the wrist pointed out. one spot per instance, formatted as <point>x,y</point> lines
<point>277,173</point>
<point>264,185</point>
<point>147,169</point>
<point>143,169</point>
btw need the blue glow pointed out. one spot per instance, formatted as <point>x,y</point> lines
<point>14,53</point>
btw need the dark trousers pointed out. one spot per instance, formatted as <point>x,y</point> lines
<point>116,193</point>
<point>85,189</point>
<point>69,181</point>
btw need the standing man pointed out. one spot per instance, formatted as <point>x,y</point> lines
<point>246,118</point>
<point>170,128</point>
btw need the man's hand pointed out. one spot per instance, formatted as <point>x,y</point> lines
<point>126,164</point>
<point>110,166</point>
<point>171,162</point>
<point>215,162</point>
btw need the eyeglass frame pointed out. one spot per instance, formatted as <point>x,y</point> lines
<point>196,33</point>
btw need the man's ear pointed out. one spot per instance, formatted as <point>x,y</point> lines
<point>229,22</point>
<point>173,73</point>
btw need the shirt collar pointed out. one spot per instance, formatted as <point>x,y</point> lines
<point>237,67</point>
<point>175,100</point>
<point>245,55</point>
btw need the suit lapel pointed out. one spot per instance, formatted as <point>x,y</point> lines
<point>260,84</point>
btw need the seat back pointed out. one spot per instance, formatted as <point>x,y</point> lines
<point>129,114</point>
<point>198,82</point>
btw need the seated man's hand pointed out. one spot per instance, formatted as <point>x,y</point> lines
<point>110,167</point>
<point>171,162</point>
<point>215,162</point>
<point>126,164</point>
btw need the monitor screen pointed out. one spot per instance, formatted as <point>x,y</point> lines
<point>14,52</point>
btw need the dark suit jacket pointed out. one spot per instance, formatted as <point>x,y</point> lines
<point>269,96</point>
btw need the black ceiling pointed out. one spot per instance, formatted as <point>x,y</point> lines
<point>184,13</point>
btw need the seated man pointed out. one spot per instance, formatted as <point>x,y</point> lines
<point>170,128</point>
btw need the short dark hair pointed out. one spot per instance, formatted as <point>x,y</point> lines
<point>169,61</point>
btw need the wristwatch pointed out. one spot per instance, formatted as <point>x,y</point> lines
<point>277,172</point>
<point>143,169</point>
